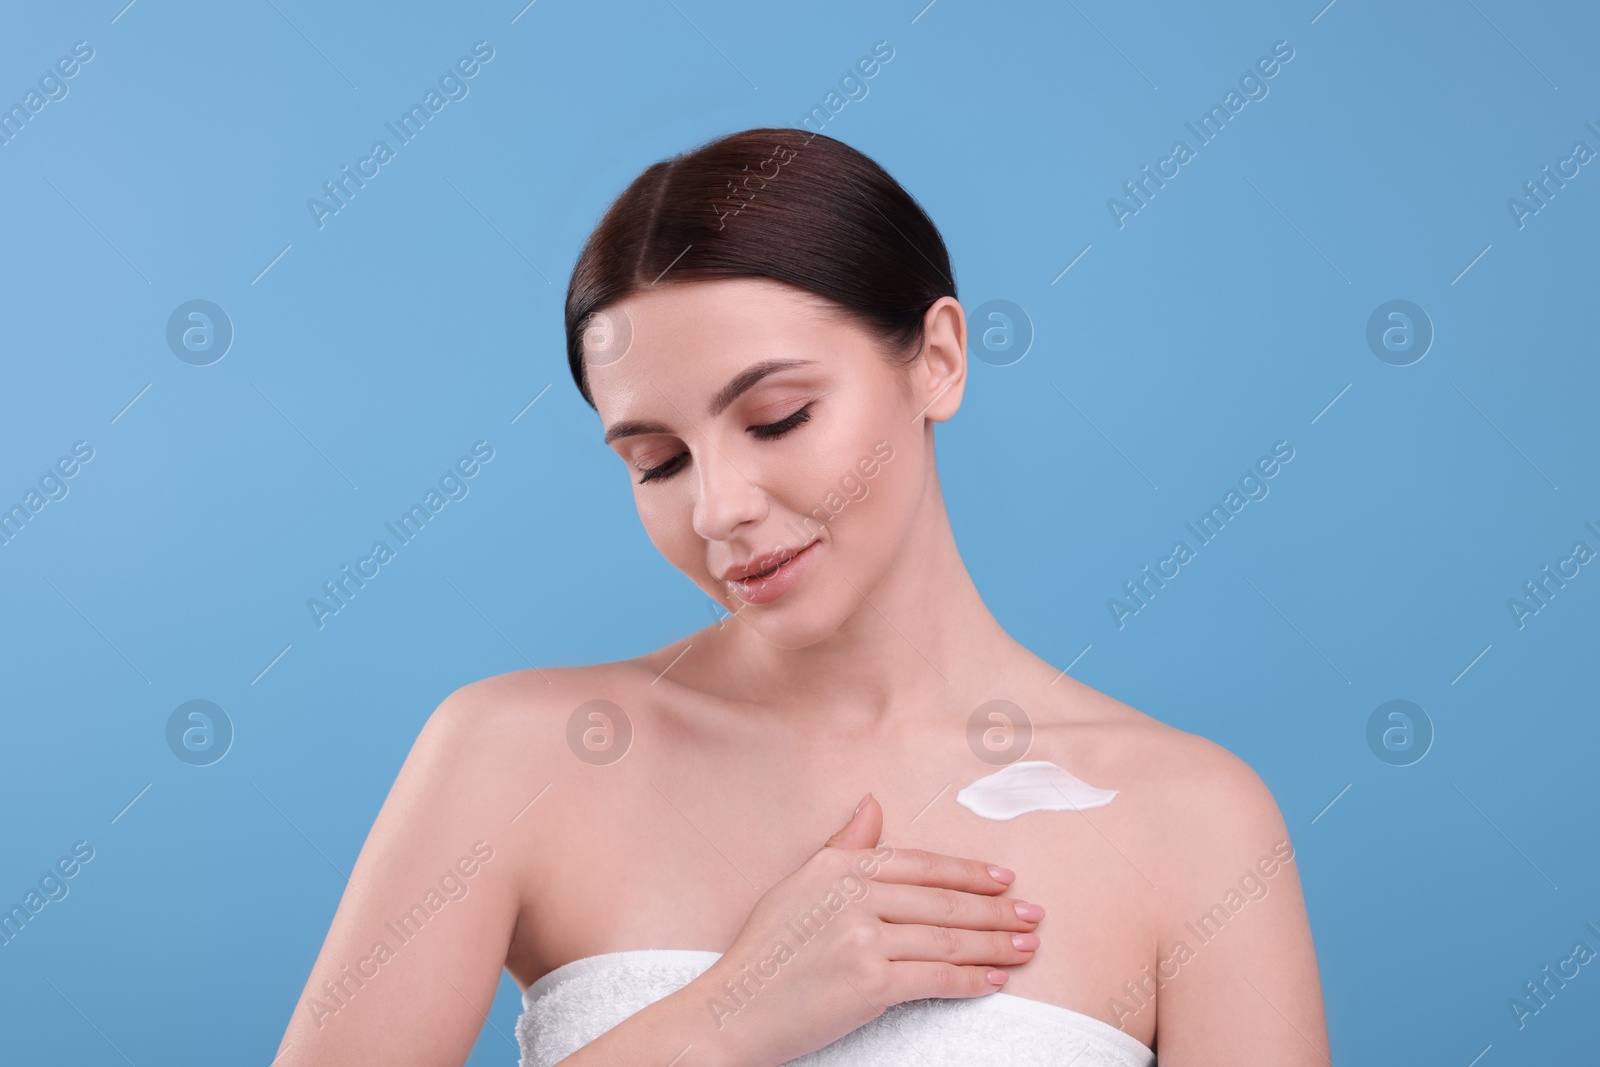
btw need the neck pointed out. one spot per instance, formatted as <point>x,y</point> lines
<point>920,641</point>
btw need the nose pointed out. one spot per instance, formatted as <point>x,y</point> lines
<point>727,499</point>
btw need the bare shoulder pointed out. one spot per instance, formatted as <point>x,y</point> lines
<point>448,852</point>
<point>504,702</point>
<point>520,712</point>
<point>1207,809</point>
<point>1219,817</point>
<point>1217,852</point>
<point>510,729</point>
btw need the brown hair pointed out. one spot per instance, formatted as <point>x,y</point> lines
<point>790,205</point>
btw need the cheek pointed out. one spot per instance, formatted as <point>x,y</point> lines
<point>669,523</point>
<point>900,483</point>
<point>813,481</point>
<point>893,497</point>
<point>877,509</point>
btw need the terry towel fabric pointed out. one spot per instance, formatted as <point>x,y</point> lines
<point>577,1002</point>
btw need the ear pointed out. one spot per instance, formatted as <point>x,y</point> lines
<point>941,373</point>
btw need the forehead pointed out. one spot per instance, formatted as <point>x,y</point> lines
<point>698,334</point>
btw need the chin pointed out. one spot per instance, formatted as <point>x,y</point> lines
<point>794,632</point>
<point>808,614</point>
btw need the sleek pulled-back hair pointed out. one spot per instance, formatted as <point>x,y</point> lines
<point>785,204</point>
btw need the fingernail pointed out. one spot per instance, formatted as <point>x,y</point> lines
<point>859,804</point>
<point>1030,912</point>
<point>1003,874</point>
<point>997,977</point>
<point>1025,942</point>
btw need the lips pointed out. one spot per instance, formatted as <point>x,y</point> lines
<point>768,584</point>
<point>754,570</point>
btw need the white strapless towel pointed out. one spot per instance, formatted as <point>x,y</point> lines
<point>577,1002</point>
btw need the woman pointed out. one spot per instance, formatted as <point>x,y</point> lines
<point>658,849</point>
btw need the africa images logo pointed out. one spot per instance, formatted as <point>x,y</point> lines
<point>453,86</point>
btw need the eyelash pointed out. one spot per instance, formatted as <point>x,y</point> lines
<point>768,432</point>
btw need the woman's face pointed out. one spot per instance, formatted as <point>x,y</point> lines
<point>758,427</point>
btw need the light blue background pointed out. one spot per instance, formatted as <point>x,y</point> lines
<point>1225,316</point>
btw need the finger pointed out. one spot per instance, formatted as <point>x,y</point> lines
<point>916,866</point>
<point>920,979</point>
<point>934,906</point>
<point>863,828</point>
<point>943,944</point>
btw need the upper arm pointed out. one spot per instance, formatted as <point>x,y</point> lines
<point>414,953</point>
<point>1238,970</point>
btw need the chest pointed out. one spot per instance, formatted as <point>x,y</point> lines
<point>674,855</point>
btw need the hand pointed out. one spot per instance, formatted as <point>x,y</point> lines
<point>855,930</point>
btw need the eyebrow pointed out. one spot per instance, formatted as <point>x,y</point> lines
<point>742,382</point>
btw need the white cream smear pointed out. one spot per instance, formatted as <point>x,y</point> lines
<point>1031,785</point>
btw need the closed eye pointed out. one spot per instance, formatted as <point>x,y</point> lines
<point>769,432</point>
<point>774,430</point>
